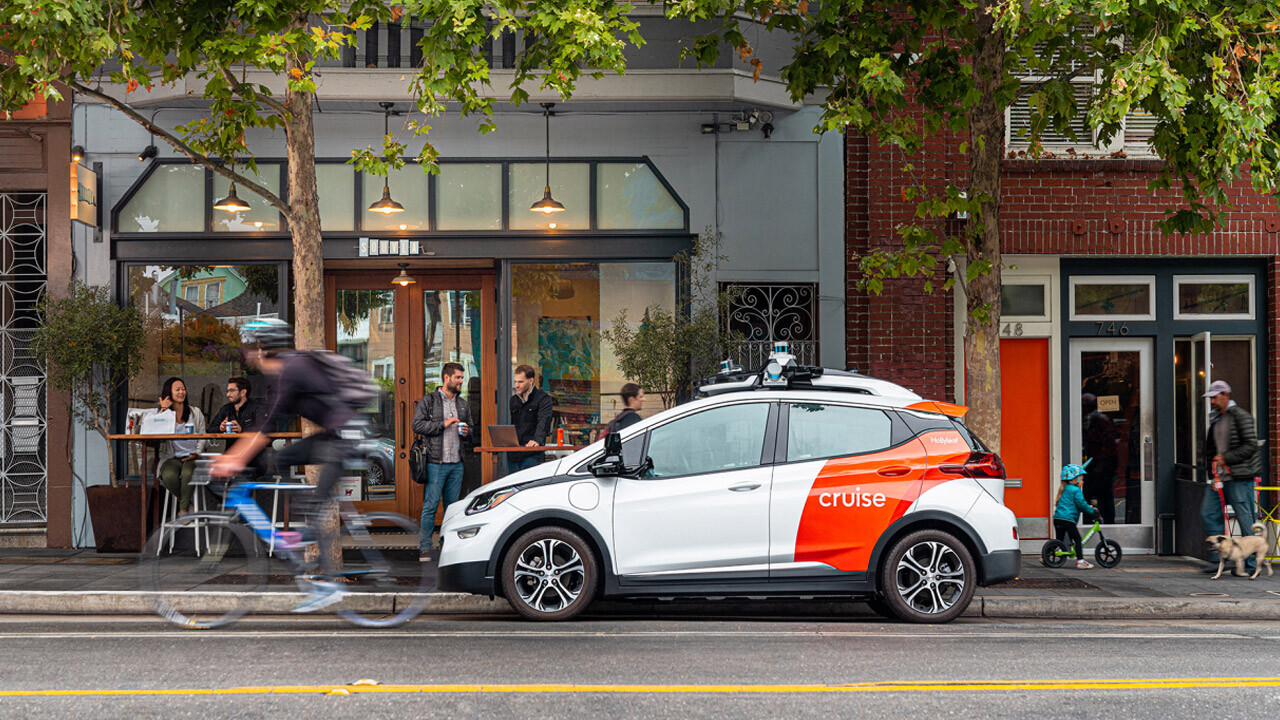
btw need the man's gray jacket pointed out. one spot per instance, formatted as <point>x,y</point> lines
<point>428,421</point>
<point>1243,459</point>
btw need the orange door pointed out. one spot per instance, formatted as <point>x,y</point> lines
<point>1024,422</point>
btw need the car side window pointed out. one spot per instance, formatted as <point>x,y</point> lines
<point>721,438</point>
<point>817,430</point>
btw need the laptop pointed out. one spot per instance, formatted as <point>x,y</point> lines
<point>504,436</point>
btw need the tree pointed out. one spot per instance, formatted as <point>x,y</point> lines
<point>905,71</point>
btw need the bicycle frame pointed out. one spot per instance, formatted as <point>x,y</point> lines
<point>1095,530</point>
<point>240,499</point>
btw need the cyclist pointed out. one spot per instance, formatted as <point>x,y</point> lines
<point>305,390</point>
<point>1068,508</point>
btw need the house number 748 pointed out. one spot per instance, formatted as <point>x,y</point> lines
<point>1110,328</point>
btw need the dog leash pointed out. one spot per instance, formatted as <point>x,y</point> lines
<point>1222,502</point>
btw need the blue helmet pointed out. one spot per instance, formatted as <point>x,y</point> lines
<point>267,334</point>
<point>1073,471</point>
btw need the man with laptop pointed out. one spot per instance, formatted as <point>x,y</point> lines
<point>531,416</point>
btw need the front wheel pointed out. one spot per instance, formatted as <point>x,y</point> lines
<point>550,573</point>
<point>928,577</point>
<point>1053,553</point>
<point>1108,553</point>
<point>204,570</point>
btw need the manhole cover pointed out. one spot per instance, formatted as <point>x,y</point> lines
<point>1045,584</point>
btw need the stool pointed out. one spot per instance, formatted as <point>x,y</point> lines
<point>169,513</point>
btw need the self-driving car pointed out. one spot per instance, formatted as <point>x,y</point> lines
<point>788,482</point>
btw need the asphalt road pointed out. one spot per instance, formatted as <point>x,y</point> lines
<point>468,666</point>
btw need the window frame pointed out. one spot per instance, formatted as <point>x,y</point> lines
<point>1180,280</point>
<point>784,431</point>
<point>1075,280</point>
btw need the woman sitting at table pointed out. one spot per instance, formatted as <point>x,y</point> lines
<point>178,457</point>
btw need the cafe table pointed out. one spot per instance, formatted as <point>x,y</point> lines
<point>155,440</point>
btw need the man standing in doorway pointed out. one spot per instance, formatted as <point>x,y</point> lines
<point>1100,440</point>
<point>531,414</point>
<point>444,419</point>
<point>1232,448</point>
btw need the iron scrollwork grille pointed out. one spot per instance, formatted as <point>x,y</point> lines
<point>765,313</point>
<point>23,476</point>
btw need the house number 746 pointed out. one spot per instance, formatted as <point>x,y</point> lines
<point>1110,328</point>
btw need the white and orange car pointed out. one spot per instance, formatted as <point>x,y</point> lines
<point>790,482</point>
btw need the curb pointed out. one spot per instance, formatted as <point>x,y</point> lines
<point>1067,608</point>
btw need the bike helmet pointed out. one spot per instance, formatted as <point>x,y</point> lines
<point>267,334</point>
<point>1073,471</point>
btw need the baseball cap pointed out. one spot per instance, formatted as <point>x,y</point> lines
<point>1218,387</point>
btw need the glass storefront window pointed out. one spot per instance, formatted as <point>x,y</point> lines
<point>1023,301</point>
<point>336,184</point>
<point>469,196</point>
<point>570,183</point>
<point>1113,298</point>
<point>558,311</point>
<point>629,195</point>
<point>261,216</point>
<point>1217,297</point>
<point>409,188</point>
<point>164,202</point>
<point>192,315</point>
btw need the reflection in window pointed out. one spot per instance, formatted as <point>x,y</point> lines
<point>1119,299</point>
<point>569,185</point>
<point>164,202</point>
<point>336,184</point>
<point>630,196</point>
<point>557,315</point>
<point>469,196</point>
<point>408,187</point>
<point>1024,300</point>
<point>261,216</point>
<point>824,431</point>
<point>1215,298</point>
<point>723,438</point>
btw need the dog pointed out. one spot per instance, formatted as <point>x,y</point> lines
<point>1237,549</point>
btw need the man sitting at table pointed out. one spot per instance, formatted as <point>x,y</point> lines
<point>240,414</point>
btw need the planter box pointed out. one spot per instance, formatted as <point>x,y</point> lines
<point>116,514</point>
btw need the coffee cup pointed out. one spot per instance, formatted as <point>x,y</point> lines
<point>462,428</point>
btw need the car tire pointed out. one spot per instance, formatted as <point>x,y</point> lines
<point>928,576</point>
<point>550,573</point>
<point>376,474</point>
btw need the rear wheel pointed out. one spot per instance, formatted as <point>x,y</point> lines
<point>928,577</point>
<point>550,573</point>
<point>380,594</point>
<point>1053,553</point>
<point>210,588</point>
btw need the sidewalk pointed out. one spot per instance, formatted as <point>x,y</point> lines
<point>43,581</point>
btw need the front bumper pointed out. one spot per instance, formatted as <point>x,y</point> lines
<point>999,566</point>
<point>465,577</point>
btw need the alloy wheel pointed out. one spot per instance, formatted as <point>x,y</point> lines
<point>549,575</point>
<point>931,577</point>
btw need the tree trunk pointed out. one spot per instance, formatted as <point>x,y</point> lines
<point>986,146</point>
<point>308,259</point>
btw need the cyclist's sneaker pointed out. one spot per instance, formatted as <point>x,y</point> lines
<point>1083,565</point>
<point>289,540</point>
<point>323,594</point>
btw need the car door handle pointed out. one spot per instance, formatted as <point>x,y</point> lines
<point>893,471</point>
<point>744,487</point>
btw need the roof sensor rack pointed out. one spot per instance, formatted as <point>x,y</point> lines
<point>782,372</point>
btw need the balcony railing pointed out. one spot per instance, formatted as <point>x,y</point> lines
<point>395,45</point>
<point>752,355</point>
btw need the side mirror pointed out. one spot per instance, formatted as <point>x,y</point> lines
<point>613,444</point>
<point>609,464</point>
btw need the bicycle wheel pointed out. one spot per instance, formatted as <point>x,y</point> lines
<point>1108,553</point>
<point>1053,553</point>
<point>382,576</point>
<point>205,570</point>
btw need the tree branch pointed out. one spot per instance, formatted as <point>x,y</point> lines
<point>240,89</point>
<point>183,148</point>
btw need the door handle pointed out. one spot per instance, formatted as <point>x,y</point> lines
<point>893,471</point>
<point>404,429</point>
<point>744,487</point>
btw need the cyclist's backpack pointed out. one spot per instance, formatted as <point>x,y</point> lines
<point>350,386</point>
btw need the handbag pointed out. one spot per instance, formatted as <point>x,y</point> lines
<point>418,460</point>
<point>161,422</point>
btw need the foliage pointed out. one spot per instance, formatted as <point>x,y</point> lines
<point>200,339</point>
<point>89,344</point>
<point>666,352</point>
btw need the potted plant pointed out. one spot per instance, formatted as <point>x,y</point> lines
<point>89,345</point>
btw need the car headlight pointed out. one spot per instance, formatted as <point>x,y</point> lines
<point>490,500</point>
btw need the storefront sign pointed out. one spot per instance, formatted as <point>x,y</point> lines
<point>377,247</point>
<point>84,195</point>
<point>1108,403</point>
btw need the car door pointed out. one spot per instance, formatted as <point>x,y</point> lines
<point>845,473</point>
<point>704,508</point>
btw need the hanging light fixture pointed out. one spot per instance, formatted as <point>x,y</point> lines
<point>386,205</point>
<point>547,204</point>
<point>232,202</point>
<point>403,279</point>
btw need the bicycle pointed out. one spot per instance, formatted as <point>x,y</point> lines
<point>235,568</point>
<point>1055,552</point>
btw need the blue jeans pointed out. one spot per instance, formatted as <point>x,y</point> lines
<point>441,477</point>
<point>514,466</point>
<point>1238,494</point>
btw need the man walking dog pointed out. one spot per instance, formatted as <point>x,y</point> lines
<point>1231,445</point>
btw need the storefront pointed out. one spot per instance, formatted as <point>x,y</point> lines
<point>465,274</point>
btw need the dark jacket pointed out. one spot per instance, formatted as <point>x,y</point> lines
<point>428,421</point>
<point>247,416</point>
<point>1241,455</point>
<point>624,419</point>
<point>532,419</point>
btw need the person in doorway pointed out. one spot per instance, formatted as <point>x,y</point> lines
<point>1100,447</point>
<point>1231,445</point>
<point>178,457</point>
<point>444,419</point>
<point>240,414</point>
<point>1068,509</point>
<point>531,414</point>
<point>632,402</point>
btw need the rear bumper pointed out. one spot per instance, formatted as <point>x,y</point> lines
<point>999,566</point>
<point>467,577</point>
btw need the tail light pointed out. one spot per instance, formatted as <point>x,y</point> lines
<point>977,465</point>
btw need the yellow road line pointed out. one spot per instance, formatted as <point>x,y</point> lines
<point>870,687</point>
